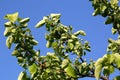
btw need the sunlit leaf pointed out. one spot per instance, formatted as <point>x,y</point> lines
<point>12,17</point>
<point>9,41</point>
<point>114,31</point>
<point>70,71</point>
<point>48,44</point>
<point>25,20</point>
<point>22,76</point>
<point>34,42</point>
<point>54,45</point>
<point>15,53</point>
<point>98,67</point>
<point>96,12</point>
<point>65,63</point>
<point>98,71</point>
<point>80,32</point>
<point>8,24</point>
<point>53,15</point>
<point>71,46</point>
<point>32,69</point>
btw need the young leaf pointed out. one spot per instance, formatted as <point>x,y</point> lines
<point>70,71</point>
<point>32,69</point>
<point>12,17</point>
<point>54,45</point>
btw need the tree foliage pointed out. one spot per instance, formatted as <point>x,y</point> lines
<point>58,65</point>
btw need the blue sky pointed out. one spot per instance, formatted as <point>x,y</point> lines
<point>77,13</point>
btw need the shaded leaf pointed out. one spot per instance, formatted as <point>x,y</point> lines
<point>109,20</point>
<point>117,78</point>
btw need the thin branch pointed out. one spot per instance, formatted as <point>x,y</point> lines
<point>82,59</point>
<point>92,76</point>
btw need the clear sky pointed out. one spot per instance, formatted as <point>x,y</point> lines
<point>77,13</point>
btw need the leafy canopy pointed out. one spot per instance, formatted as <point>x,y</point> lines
<point>58,65</point>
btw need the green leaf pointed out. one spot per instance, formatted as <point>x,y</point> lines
<point>9,41</point>
<point>114,2</point>
<point>110,40</point>
<point>25,20</point>
<point>20,59</point>
<point>108,70</point>
<point>97,71</point>
<point>117,59</point>
<point>81,32</point>
<point>15,53</point>
<point>53,15</point>
<point>22,76</point>
<point>65,63</point>
<point>98,67</point>
<point>70,71</point>
<point>96,12</point>
<point>48,44</point>
<point>7,31</point>
<point>37,53</point>
<point>32,69</point>
<point>71,46</point>
<point>117,78</point>
<point>34,42</point>
<point>54,45</point>
<point>103,7</point>
<point>109,20</point>
<point>40,23</point>
<point>12,17</point>
<point>114,31</point>
<point>8,24</point>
